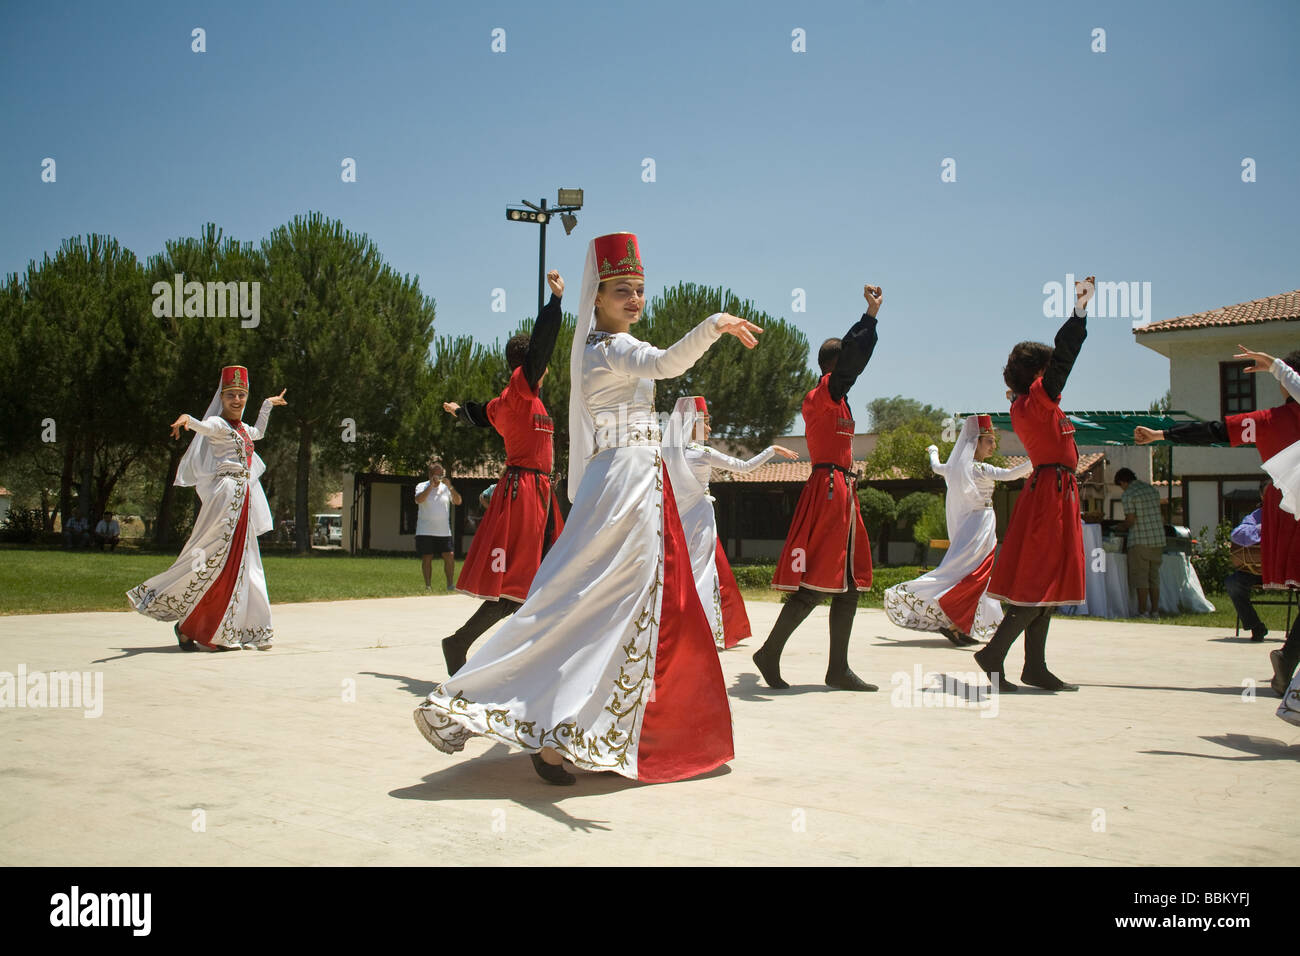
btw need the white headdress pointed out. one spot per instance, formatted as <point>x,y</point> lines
<point>198,461</point>
<point>582,427</point>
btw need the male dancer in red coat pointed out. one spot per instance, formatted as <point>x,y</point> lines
<point>523,516</point>
<point>826,550</point>
<point>1270,430</point>
<point>1040,565</point>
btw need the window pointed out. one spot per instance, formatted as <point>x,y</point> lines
<point>1236,389</point>
<point>409,511</point>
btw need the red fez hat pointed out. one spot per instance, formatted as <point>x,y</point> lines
<point>700,405</point>
<point>985,424</point>
<point>618,255</point>
<point>234,376</point>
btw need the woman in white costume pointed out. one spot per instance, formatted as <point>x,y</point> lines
<point>610,661</point>
<point>216,589</point>
<point>690,464</point>
<point>951,599</point>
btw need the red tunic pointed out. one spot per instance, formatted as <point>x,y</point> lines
<point>827,531</point>
<point>523,514</point>
<point>1271,430</point>
<point>1041,560</point>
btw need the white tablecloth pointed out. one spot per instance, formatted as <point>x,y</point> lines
<point>1106,586</point>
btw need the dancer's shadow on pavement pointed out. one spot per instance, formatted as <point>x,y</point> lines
<point>1246,639</point>
<point>1256,748</point>
<point>749,687</point>
<point>155,649</point>
<point>420,688</point>
<point>937,641</point>
<point>505,774</point>
<point>1194,690</point>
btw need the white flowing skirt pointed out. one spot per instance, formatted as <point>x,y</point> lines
<point>700,526</point>
<point>174,594</point>
<point>574,667</point>
<point>915,604</point>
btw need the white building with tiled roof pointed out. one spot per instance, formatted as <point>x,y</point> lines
<point>1205,380</point>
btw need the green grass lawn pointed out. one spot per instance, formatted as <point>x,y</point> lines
<point>46,581</point>
<point>34,581</point>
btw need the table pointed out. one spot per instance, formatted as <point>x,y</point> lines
<point>1106,588</point>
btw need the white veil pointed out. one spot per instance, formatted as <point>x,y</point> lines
<point>582,427</point>
<point>962,495</point>
<point>677,435</point>
<point>198,463</point>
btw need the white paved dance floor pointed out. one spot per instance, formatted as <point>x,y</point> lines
<point>307,755</point>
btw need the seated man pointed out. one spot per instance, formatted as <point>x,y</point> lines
<point>107,532</point>
<point>1238,584</point>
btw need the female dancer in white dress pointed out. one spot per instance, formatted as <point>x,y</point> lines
<point>690,464</point>
<point>951,599</point>
<point>216,589</point>
<point>610,661</point>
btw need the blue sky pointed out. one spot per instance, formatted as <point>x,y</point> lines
<point>775,170</point>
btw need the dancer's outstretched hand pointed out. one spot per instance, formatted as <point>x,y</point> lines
<point>1145,436</point>
<point>451,408</point>
<point>278,399</point>
<point>784,452</point>
<point>1263,361</point>
<point>1083,293</point>
<point>742,329</point>
<point>177,425</point>
<point>874,296</point>
<point>555,282</point>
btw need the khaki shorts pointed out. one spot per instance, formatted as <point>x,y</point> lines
<point>1144,566</point>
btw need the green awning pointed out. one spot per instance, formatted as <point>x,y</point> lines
<point>1107,428</point>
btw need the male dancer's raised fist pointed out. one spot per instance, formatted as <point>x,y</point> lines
<point>874,296</point>
<point>1083,293</point>
<point>555,282</point>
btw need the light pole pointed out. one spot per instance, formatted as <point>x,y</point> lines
<point>568,202</point>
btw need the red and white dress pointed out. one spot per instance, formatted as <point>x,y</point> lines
<point>953,594</point>
<point>826,534</point>
<point>216,588</point>
<point>610,660</point>
<point>523,516</point>
<point>1041,561</point>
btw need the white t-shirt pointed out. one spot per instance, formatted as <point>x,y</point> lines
<point>435,511</point>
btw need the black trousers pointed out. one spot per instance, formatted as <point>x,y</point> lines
<point>1033,623</point>
<point>489,613</point>
<point>800,604</point>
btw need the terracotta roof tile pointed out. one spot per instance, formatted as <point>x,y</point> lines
<point>1275,308</point>
<point>1086,462</point>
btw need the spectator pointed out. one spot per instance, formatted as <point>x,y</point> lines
<point>76,532</point>
<point>433,526</point>
<point>107,532</point>
<point>1246,559</point>
<point>1146,539</point>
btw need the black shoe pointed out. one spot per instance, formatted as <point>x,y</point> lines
<point>996,677</point>
<point>968,641</point>
<point>847,680</point>
<point>771,670</point>
<point>552,772</point>
<point>1258,633</point>
<point>952,636</point>
<point>1046,680</point>
<point>185,643</point>
<point>453,654</point>
<point>1281,679</point>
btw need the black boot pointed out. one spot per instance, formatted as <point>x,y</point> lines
<point>768,657</point>
<point>552,772</point>
<point>838,675</point>
<point>953,636</point>
<point>456,648</point>
<point>1036,673</point>
<point>992,657</point>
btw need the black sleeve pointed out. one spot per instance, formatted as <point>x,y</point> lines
<point>474,413</point>
<point>542,342</point>
<point>855,352</point>
<point>1197,433</point>
<point>1069,339</point>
